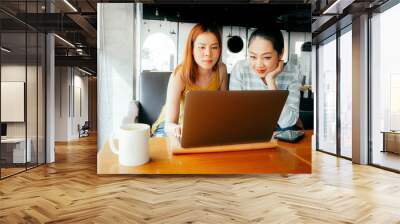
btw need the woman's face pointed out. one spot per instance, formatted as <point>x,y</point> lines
<point>263,57</point>
<point>206,50</point>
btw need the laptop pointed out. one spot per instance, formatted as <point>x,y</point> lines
<point>230,117</point>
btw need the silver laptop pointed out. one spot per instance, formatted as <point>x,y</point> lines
<point>230,117</point>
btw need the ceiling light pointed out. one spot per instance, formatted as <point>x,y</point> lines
<point>337,7</point>
<point>5,50</point>
<point>70,5</point>
<point>84,71</point>
<point>65,41</point>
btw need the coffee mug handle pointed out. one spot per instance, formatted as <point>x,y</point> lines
<point>112,145</point>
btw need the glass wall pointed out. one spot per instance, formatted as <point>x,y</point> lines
<point>326,95</point>
<point>13,88</point>
<point>385,89</point>
<point>31,100</point>
<point>334,100</point>
<point>22,66</point>
<point>41,96</point>
<point>346,92</point>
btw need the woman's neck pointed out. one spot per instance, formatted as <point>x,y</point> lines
<point>204,72</point>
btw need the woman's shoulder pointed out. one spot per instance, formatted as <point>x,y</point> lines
<point>290,72</point>
<point>288,77</point>
<point>177,70</point>
<point>222,65</point>
<point>178,76</point>
<point>222,68</point>
<point>241,68</point>
<point>241,65</point>
<point>222,71</point>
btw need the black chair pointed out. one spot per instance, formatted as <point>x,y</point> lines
<point>152,95</point>
<point>84,130</point>
<point>307,110</point>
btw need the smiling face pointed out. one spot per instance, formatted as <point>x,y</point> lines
<point>206,50</point>
<point>263,57</point>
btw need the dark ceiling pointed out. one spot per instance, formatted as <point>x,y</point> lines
<point>79,27</point>
<point>291,17</point>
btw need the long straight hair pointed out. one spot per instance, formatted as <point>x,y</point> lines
<point>188,68</point>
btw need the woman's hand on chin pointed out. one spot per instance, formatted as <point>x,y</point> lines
<point>271,76</point>
<point>275,72</point>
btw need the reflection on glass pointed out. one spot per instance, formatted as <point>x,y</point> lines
<point>385,84</point>
<point>13,85</point>
<point>31,101</point>
<point>41,99</point>
<point>22,91</point>
<point>346,94</point>
<point>327,97</point>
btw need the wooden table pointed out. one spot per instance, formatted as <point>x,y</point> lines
<point>286,158</point>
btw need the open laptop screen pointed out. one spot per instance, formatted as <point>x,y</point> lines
<point>230,117</point>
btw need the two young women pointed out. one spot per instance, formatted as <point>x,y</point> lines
<point>202,69</point>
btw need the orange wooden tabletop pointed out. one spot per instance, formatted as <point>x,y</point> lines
<point>286,158</point>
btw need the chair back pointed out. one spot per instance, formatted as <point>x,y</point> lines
<point>152,95</point>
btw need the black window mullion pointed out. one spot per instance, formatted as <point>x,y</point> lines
<point>26,86</point>
<point>338,98</point>
<point>0,95</point>
<point>37,90</point>
<point>369,78</point>
<point>317,97</point>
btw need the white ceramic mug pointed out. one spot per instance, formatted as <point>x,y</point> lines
<point>133,144</point>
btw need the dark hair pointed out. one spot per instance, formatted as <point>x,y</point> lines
<point>273,35</point>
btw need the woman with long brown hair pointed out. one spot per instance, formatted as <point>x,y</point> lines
<point>201,69</point>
